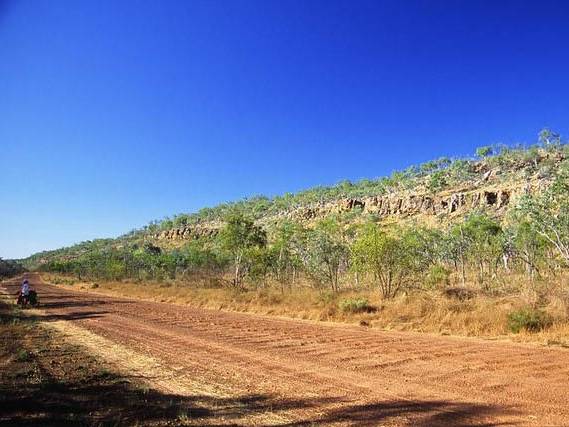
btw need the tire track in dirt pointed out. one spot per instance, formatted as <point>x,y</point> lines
<point>335,374</point>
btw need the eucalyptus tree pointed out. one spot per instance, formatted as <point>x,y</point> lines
<point>240,238</point>
<point>548,212</point>
<point>392,258</point>
<point>324,253</point>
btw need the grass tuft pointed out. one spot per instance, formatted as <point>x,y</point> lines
<point>528,319</point>
<point>356,305</point>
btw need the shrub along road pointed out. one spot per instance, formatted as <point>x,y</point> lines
<point>290,372</point>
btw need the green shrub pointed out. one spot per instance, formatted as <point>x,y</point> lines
<point>22,356</point>
<point>437,276</point>
<point>437,181</point>
<point>532,320</point>
<point>484,151</point>
<point>356,305</point>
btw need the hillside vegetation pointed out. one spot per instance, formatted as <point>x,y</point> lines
<point>492,226</point>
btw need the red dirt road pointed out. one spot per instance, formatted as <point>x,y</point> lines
<point>307,373</point>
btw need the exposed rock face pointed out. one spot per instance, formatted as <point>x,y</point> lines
<point>412,204</point>
<point>187,233</point>
<point>436,205</point>
<point>495,187</point>
<point>395,205</point>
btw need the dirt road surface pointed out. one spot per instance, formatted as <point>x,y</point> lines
<point>290,372</point>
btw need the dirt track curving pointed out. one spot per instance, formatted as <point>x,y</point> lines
<point>327,374</point>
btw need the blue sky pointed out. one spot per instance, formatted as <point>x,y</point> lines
<point>116,113</point>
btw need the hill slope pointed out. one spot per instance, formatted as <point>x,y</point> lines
<point>435,194</point>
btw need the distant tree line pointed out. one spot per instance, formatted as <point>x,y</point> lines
<point>10,268</point>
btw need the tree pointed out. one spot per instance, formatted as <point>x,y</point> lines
<point>284,259</point>
<point>324,253</point>
<point>528,245</point>
<point>548,138</point>
<point>478,240</point>
<point>457,249</point>
<point>390,258</point>
<point>10,268</point>
<point>240,237</point>
<point>485,151</point>
<point>485,244</point>
<point>437,181</point>
<point>196,256</point>
<point>261,261</point>
<point>426,244</point>
<point>548,213</point>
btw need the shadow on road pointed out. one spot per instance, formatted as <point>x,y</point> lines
<point>57,303</point>
<point>411,413</point>
<point>76,315</point>
<point>114,402</point>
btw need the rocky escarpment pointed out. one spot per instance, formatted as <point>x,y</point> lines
<point>444,205</point>
<point>189,232</point>
<point>383,206</point>
<point>490,185</point>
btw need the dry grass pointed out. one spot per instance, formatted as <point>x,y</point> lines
<point>432,312</point>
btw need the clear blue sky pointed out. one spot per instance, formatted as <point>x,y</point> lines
<point>114,113</point>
